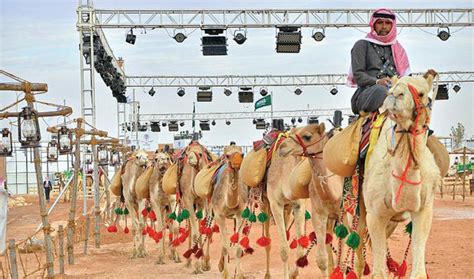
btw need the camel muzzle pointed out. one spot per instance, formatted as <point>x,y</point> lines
<point>236,160</point>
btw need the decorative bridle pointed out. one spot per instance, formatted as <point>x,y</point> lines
<point>297,138</point>
<point>413,130</point>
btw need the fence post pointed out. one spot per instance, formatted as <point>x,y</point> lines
<point>13,269</point>
<point>70,242</point>
<point>86,233</point>
<point>61,249</point>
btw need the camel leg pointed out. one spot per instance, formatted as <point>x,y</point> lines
<point>239,252</point>
<point>207,258</point>
<point>159,221</point>
<point>320,222</point>
<point>220,220</point>
<point>377,230</point>
<point>266,227</point>
<point>298,212</point>
<point>362,231</point>
<point>421,229</point>
<point>188,204</point>
<point>135,226</point>
<point>329,228</point>
<point>173,228</point>
<point>277,212</point>
<point>141,221</point>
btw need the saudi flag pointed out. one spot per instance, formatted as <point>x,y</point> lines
<point>263,102</point>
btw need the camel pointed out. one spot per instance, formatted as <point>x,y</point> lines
<point>281,207</point>
<point>195,158</point>
<point>402,174</point>
<point>228,200</point>
<point>133,168</point>
<point>160,202</point>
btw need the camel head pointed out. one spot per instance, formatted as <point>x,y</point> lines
<point>233,156</point>
<point>407,101</point>
<point>196,155</point>
<point>306,141</point>
<point>140,158</point>
<point>162,161</point>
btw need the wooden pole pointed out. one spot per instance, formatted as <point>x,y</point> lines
<point>13,266</point>
<point>107,194</point>
<point>464,173</point>
<point>96,194</point>
<point>442,186</point>
<point>86,233</point>
<point>61,249</point>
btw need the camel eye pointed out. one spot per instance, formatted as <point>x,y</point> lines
<point>307,137</point>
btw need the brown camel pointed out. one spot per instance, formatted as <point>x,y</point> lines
<point>134,167</point>
<point>162,203</point>
<point>228,200</point>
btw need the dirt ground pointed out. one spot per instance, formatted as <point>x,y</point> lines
<point>448,254</point>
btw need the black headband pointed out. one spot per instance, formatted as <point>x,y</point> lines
<point>379,15</point>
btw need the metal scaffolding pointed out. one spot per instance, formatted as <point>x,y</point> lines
<point>265,80</point>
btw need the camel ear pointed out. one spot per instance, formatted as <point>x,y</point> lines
<point>429,76</point>
<point>394,80</point>
<point>321,128</point>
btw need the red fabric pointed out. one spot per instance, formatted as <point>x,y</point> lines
<point>336,274</point>
<point>303,241</point>
<point>264,241</point>
<point>351,275</point>
<point>244,242</point>
<point>126,230</point>
<point>328,238</point>
<point>234,238</point>
<point>294,244</point>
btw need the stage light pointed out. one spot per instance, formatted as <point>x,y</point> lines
<point>213,123</point>
<point>239,37</point>
<point>298,91</point>
<point>337,119</point>
<point>155,126</point>
<point>456,88</point>
<point>318,36</point>
<point>260,124</point>
<point>334,91</point>
<point>181,92</point>
<point>214,45</point>
<point>444,33</point>
<point>204,94</point>
<point>288,40</point>
<point>313,120</point>
<point>245,95</point>
<point>179,37</point>
<point>278,124</point>
<point>300,119</point>
<point>293,121</point>
<point>263,91</point>
<point>227,92</point>
<point>173,126</point>
<point>130,38</point>
<point>442,92</point>
<point>151,92</point>
<point>181,124</point>
<point>204,125</point>
<point>227,122</point>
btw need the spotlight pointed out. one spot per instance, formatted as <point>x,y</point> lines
<point>151,92</point>
<point>334,91</point>
<point>313,120</point>
<point>173,126</point>
<point>180,37</point>
<point>263,91</point>
<point>254,121</point>
<point>155,126</point>
<point>319,35</point>
<point>278,124</point>
<point>444,34</point>
<point>239,37</point>
<point>227,92</point>
<point>300,119</point>
<point>204,125</point>
<point>260,124</point>
<point>214,45</point>
<point>227,122</point>
<point>246,95</point>
<point>293,121</point>
<point>181,92</point>
<point>130,37</point>
<point>456,88</point>
<point>213,123</point>
<point>337,118</point>
<point>204,94</point>
<point>288,40</point>
<point>181,124</point>
<point>298,91</point>
<point>163,124</point>
<point>442,92</point>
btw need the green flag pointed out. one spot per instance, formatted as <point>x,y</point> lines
<point>263,102</point>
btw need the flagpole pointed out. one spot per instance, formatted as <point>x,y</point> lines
<point>194,123</point>
<point>271,106</point>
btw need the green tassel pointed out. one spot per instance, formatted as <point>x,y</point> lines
<point>341,231</point>
<point>179,218</point>
<point>353,240</point>
<point>148,209</point>
<point>409,228</point>
<point>246,213</point>
<point>307,215</point>
<point>262,217</point>
<point>125,211</point>
<point>185,214</point>
<point>172,216</point>
<point>253,218</point>
<point>199,214</point>
<point>118,211</point>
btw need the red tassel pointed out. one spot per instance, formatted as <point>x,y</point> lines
<point>188,253</point>
<point>366,269</point>
<point>176,242</point>
<point>202,230</point>
<point>244,242</point>
<point>294,244</point>
<point>112,228</point>
<point>249,250</point>
<point>264,241</point>
<point>156,238</point>
<point>144,232</point>
<point>199,253</point>
<point>302,262</point>
<point>215,228</point>
<point>152,215</point>
<point>126,230</point>
<point>182,230</point>
<point>336,274</point>
<point>287,235</point>
<point>159,235</point>
<point>144,212</point>
<point>208,231</point>
<point>312,237</point>
<point>170,236</point>
<point>351,275</point>
<point>328,238</point>
<point>195,248</point>
<point>234,238</point>
<point>402,270</point>
<point>246,230</point>
<point>392,265</point>
<point>303,241</point>
<point>151,234</point>
<point>203,222</point>
<point>150,230</point>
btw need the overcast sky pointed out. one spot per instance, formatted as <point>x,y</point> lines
<point>39,42</point>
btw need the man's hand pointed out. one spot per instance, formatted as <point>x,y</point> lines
<point>386,81</point>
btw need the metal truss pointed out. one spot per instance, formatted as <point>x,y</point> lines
<point>265,80</point>
<point>268,18</point>
<point>239,115</point>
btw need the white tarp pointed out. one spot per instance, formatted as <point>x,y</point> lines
<point>3,215</point>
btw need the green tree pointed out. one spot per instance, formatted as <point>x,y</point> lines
<point>457,134</point>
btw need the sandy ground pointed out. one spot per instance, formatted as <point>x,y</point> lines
<point>448,254</point>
